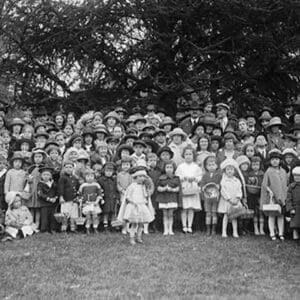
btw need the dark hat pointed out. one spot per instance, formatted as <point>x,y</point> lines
<point>109,165</point>
<point>120,109</point>
<point>75,137</point>
<point>165,149</point>
<point>223,105</point>
<point>124,147</point>
<point>145,135</point>
<point>44,134</point>
<point>112,139</point>
<point>139,142</point>
<point>52,128</point>
<point>167,121</point>
<point>17,155</point>
<point>16,121</point>
<point>275,153</point>
<point>51,143</point>
<point>129,136</point>
<point>195,106</point>
<point>46,168</point>
<point>24,140</point>
<point>154,146</point>
<point>158,132</point>
<point>216,138</point>
<point>149,126</point>
<point>250,114</point>
<point>140,119</point>
<point>39,124</point>
<point>88,131</point>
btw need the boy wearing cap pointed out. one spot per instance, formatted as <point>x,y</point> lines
<point>68,186</point>
<point>47,196</point>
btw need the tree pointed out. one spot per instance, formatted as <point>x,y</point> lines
<point>94,54</point>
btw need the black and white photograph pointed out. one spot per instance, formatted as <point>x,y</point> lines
<point>149,149</point>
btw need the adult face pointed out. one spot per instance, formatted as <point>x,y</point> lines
<point>221,112</point>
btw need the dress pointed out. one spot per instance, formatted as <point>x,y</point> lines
<point>190,171</point>
<point>169,200</point>
<point>137,205</point>
<point>90,192</point>
<point>231,188</point>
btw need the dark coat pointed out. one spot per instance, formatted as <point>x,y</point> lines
<point>293,203</point>
<point>44,192</point>
<point>111,195</point>
<point>68,186</point>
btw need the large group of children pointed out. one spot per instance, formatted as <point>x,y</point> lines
<point>139,173</point>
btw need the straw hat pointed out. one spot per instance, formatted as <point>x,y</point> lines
<point>17,121</point>
<point>275,121</point>
<point>112,114</point>
<point>178,131</point>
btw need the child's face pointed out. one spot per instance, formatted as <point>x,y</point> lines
<point>139,125</point>
<point>250,152</point>
<point>125,153</point>
<point>90,178</point>
<point>27,133</point>
<point>81,163</point>
<point>71,119</point>
<point>111,122</point>
<point>2,165</point>
<point>199,130</point>
<point>100,136</point>
<point>24,147</point>
<point>140,179</point>
<point>275,129</point>
<point>88,139</point>
<point>217,132</point>
<point>73,156</point>
<point>129,142</point>
<point>54,154</point>
<point>229,170</point>
<point>41,129</point>
<point>203,143</point>
<point>112,146</point>
<point>169,169</point>
<point>152,162</point>
<point>6,138</point>
<point>229,144</point>
<point>164,156</point>
<point>211,166</point>
<point>38,158</point>
<point>160,138</point>
<point>275,162</point>
<point>288,159</point>
<point>77,144</point>
<point>59,120</point>
<point>177,139</point>
<point>60,140</point>
<point>239,147</point>
<point>102,151</point>
<point>255,166</point>
<point>68,130</point>
<point>17,203</point>
<point>97,168</point>
<point>17,164</point>
<point>138,149</point>
<point>97,120</point>
<point>46,176</point>
<point>243,126</point>
<point>69,169</point>
<point>244,167</point>
<point>214,145</point>
<point>118,133</point>
<point>40,142</point>
<point>167,128</point>
<point>16,129</point>
<point>125,166</point>
<point>108,172</point>
<point>188,156</point>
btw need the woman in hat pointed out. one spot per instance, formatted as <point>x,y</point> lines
<point>275,139</point>
<point>47,196</point>
<point>229,151</point>
<point>16,126</point>
<point>274,186</point>
<point>18,219</point>
<point>178,142</point>
<point>71,118</point>
<point>69,131</point>
<point>138,209</point>
<point>101,133</point>
<point>111,120</point>
<point>28,132</point>
<point>88,137</point>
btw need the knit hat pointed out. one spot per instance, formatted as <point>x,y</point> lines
<point>242,159</point>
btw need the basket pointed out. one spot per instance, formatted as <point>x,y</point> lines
<point>253,189</point>
<point>249,214</point>
<point>80,221</point>
<point>211,192</point>
<point>236,211</point>
<point>190,188</point>
<point>60,217</point>
<point>272,209</point>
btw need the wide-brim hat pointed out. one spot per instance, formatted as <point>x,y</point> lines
<point>83,155</point>
<point>88,131</point>
<point>100,128</point>
<point>149,126</point>
<point>242,159</point>
<point>165,149</point>
<point>275,153</point>
<point>112,114</point>
<point>140,119</point>
<point>139,173</point>
<point>209,119</point>
<point>130,136</point>
<point>154,146</point>
<point>124,147</point>
<point>112,139</point>
<point>16,121</point>
<point>52,128</point>
<point>25,140</point>
<point>51,143</point>
<point>38,151</point>
<point>223,105</point>
<point>275,121</point>
<point>110,166</point>
<point>120,109</point>
<point>39,124</point>
<point>44,134</point>
<point>229,162</point>
<point>145,135</point>
<point>17,156</point>
<point>75,137</point>
<point>167,121</point>
<point>178,131</point>
<point>158,132</point>
<point>130,119</point>
<point>216,138</point>
<point>230,135</point>
<point>139,142</point>
<point>46,168</point>
<point>290,151</point>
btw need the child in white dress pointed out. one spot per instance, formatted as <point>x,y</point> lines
<point>190,175</point>
<point>231,194</point>
<point>138,208</point>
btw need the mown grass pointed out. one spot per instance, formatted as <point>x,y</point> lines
<point>105,266</point>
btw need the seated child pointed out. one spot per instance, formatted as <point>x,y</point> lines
<point>18,219</point>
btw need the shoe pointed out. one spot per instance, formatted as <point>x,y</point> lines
<point>146,232</point>
<point>166,233</point>
<point>256,232</point>
<point>132,241</point>
<point>190,230</point>
<point>281,237</point>
<point>208,232</point>
<point>236,236</point>
<point>273,238</point>
<point>124,231</point>
<point>139,240</point>
<point>224,236</point>
<point>184,229</point>
<point>171,233</point>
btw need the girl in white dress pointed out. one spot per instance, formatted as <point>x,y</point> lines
<point>190,175</point>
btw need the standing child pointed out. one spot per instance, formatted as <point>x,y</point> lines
<point>190,175</point>
<point>3,170</point>
<point>47,196</point>
<point>168,195</point>
<point>91,193</point>
<point>137,211</point>
<point>109,184</point>
<point>231,194</point>
<point>293,202</point>
<point>274,186</point>
<point>124,179</point>
<point>253,184</point>
<point>68,186</point>
<point>210,186</point>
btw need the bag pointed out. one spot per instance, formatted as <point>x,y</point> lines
<point>190,188</point>
<point>235,211</point>
<point>211,192</point>
<point>249,213</point>
<point>272,209</point>
<point>59,216</point>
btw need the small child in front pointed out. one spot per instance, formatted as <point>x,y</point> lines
<point>137,211</point>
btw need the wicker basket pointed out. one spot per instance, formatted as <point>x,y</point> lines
<point>60,217</point>
<point>211,192</point>
<point>272,209</point>
<point>253,189</point>
<point>80,221</point>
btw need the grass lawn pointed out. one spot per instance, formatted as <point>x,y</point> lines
<point>105,266</point>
